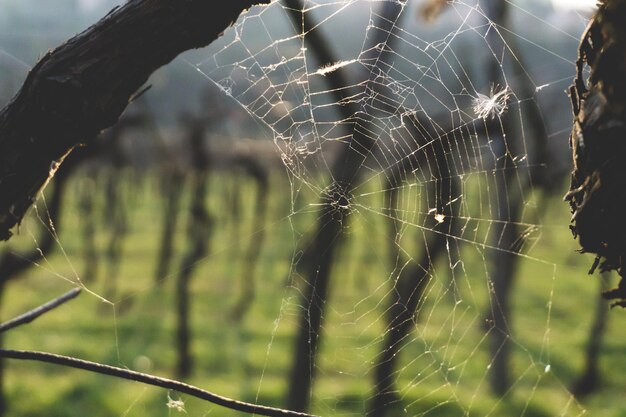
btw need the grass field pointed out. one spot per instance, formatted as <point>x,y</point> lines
<point>444,364</point>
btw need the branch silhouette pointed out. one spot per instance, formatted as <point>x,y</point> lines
<point>127,373</point>
<point>149,380</point>
<point>39,311</point>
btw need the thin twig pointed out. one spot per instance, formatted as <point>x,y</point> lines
<point>42,309</point>
<point>149,380</point>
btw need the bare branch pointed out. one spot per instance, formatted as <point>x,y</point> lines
<point>42,309</point>
<point>150,380</point>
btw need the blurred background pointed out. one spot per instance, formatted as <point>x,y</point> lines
<point>225,238</point>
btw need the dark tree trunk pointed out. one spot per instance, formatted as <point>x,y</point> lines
<point>503,263</point>
<point>589,380</point>
<point>247,280</point>
<point>321,50</point>
<point>116,220</point>
<point>319,252</point>
<point>83,86</point>
<point>345,172</point>
<point>510,184</point>
<point>116,209</point>
<point>172,185</point>
<point>233,199</point>
<point>394,224</point>
<point>11,263</point>
<point>400,317</point>
<point>509,195</point>
<point>198,235</point>
<point>86,207</point>
<point>173,180</point>
<point>412,279</point>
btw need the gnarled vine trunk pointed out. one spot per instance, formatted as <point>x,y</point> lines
<point>598,140</point>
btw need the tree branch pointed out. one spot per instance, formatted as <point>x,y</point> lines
<point>42,309</point>
<point>150,380</point>
<point>84,85</point>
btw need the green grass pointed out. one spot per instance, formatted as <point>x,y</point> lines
<point>443,365</point>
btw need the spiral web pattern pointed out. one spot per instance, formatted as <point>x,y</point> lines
<point>434,150</point>
<point>440,119</point>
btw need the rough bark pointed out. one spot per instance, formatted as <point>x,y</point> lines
<point>83,86</point>
<point>597,195</point>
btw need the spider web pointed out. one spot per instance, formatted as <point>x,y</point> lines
<point>442,121</point>
<point>435,148</point>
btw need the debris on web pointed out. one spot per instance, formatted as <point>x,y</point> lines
<point>176,405</point>
<point>492,105</point>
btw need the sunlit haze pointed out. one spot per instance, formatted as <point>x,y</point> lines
<point>575,4</point>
